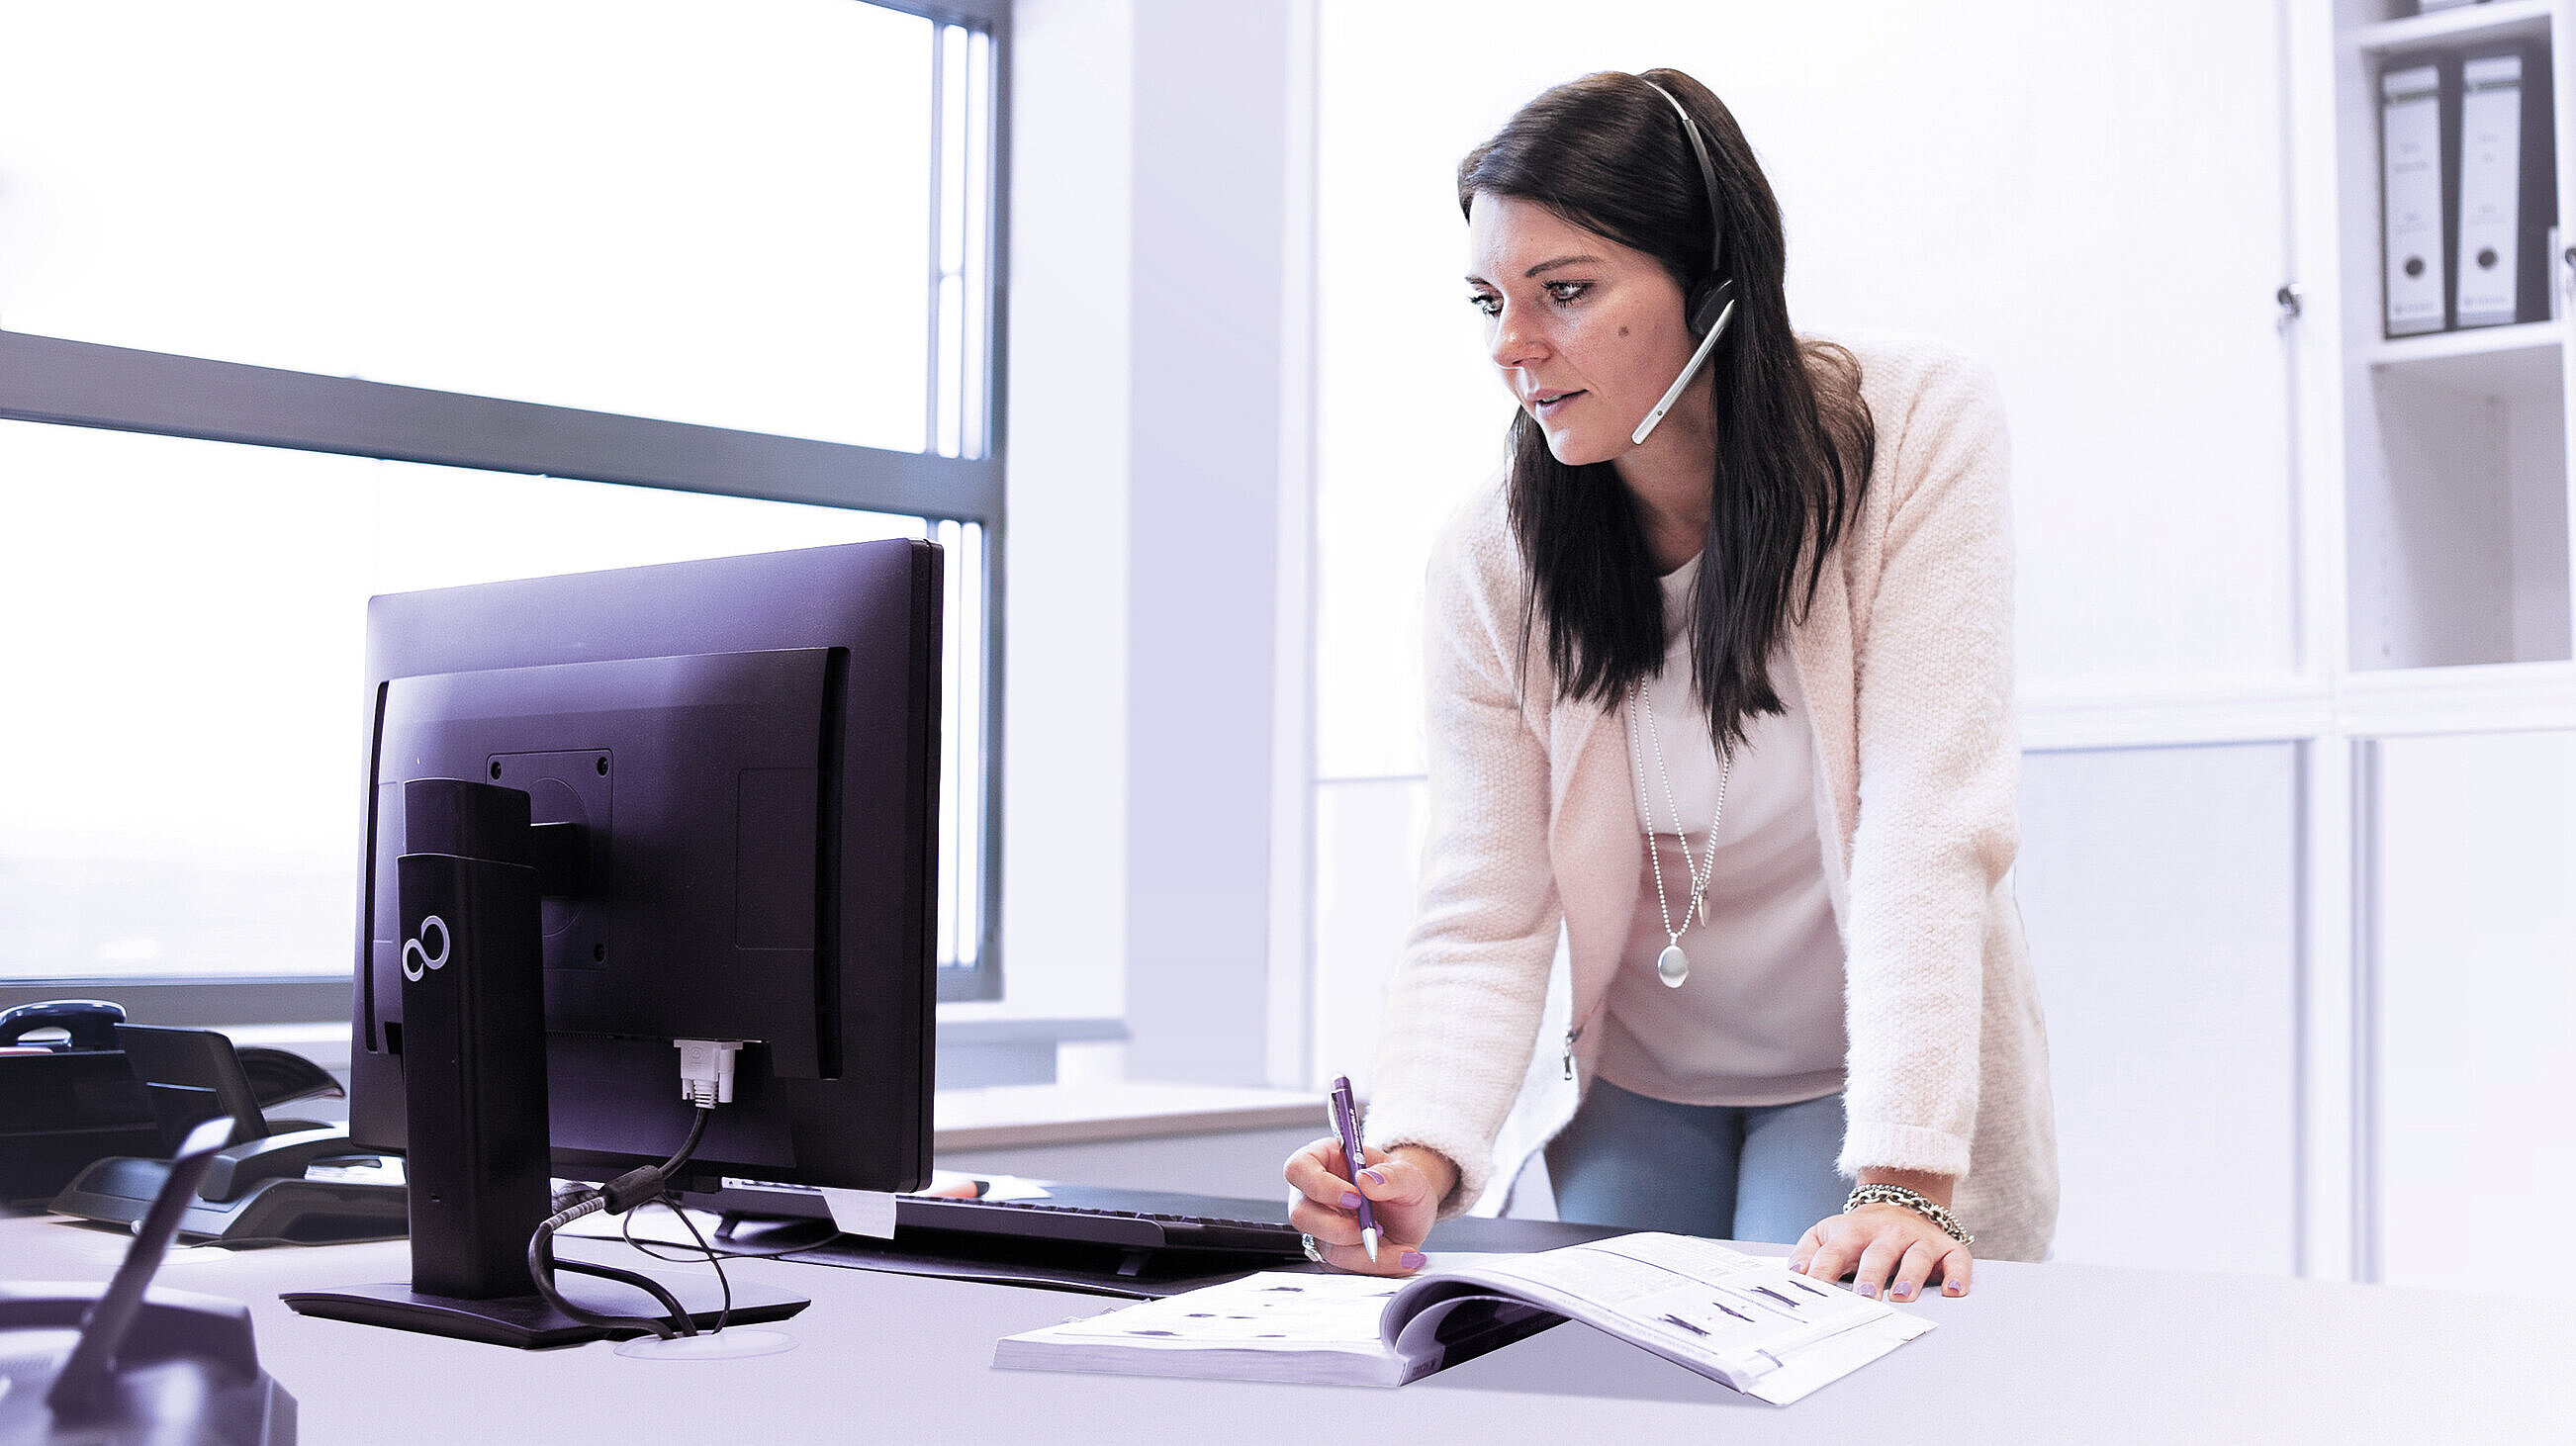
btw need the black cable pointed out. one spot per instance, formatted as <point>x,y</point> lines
<point>642,1282</point>
<point>689,1146</point>
<point>724,1313</point>
<point>646,1183</point>
<point>705,1251</point>
<point>541,1269</point>
<point>622,1195</point>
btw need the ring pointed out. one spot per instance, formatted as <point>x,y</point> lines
<point>1307,1243</point>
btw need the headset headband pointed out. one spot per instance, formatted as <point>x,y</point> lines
<point>1708,181</point>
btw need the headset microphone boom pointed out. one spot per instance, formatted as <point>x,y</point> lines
<point>1712,301</point>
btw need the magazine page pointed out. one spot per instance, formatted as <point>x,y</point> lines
<point>1286,1326</point>
<point>1733,1317</point>
<point>1277,1325</point>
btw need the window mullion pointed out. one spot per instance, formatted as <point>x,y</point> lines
<point>938,183</point>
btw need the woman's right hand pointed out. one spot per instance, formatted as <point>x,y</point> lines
<point>1404,1191</point>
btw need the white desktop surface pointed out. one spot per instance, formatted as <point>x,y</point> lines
<point>2052,1353</point>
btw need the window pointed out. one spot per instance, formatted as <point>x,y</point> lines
<point>318,284</point>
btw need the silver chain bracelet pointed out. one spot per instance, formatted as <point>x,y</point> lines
<point>1914,1200</point>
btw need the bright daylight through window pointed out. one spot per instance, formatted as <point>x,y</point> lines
<point>498,288</point>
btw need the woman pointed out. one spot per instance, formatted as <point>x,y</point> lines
<point>1721,717</point>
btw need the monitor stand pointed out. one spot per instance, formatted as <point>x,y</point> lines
<point>474,1080</point>
<point>529,1322</point>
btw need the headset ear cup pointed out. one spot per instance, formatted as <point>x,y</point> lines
<point>1695,306</point>
<point>1708,302</point>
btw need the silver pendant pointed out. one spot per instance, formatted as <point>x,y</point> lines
<point>1672,966</point>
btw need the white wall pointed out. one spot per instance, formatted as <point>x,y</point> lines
<point>1149,411</point>
<point>1210,150</point>
<point>1064,617</point>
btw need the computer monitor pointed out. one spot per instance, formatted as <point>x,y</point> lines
<point>731,810</point>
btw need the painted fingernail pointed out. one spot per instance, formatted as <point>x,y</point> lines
<point>1414,1260</point>
<point>1900,1291</point>
<point>1375,1177</point>
<point>1956,1287</point>
<point>1797,1267</point>
<point>1867,1289</point>
<point>1350,1199</point>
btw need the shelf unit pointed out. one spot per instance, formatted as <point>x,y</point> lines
<point>2441,537</point>
<point>2456,445</point>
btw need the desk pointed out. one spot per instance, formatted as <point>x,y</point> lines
<point>2040,1353</point>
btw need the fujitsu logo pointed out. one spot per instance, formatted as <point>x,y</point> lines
<point>416,956</point>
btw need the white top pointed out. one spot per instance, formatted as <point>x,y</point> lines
<point>1760,1019</point>
<point>1532,854</point>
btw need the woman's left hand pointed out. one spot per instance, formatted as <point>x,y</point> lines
<point>1887,1249</point>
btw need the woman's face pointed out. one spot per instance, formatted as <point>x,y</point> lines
<point>1586,332</point>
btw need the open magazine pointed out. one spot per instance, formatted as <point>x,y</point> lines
<point>1746,1322</point>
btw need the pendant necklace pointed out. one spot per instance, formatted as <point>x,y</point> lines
<point>1673,966</point>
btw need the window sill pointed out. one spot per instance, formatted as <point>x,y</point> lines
<point>1002,1117</point>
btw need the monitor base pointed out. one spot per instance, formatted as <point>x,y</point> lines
<point>529,1322</point>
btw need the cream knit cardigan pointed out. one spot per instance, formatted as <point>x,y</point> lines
<point>1529,880</point>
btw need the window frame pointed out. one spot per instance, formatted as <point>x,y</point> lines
<point>87,384</point>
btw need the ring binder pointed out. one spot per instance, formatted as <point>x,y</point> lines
<point>2413,189</point>
<point>2508,188</point>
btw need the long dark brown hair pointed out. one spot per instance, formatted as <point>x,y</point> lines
<point>1794,438</point>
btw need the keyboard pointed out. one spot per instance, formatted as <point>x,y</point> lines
<point>1125,1229</point>
<point>1127,1220</point>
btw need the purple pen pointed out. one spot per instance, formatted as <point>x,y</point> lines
<point>1346,1123</point>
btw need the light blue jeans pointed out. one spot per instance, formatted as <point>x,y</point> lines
<point>1736,1172</point>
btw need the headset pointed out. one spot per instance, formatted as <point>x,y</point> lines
<point>1712,302</point>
